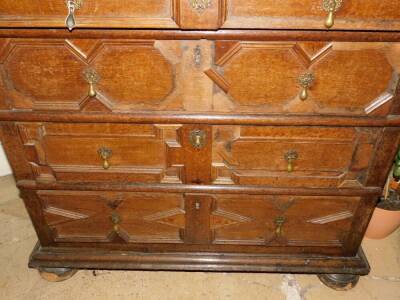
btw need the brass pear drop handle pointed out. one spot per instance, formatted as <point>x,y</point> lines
<point>92,78</point>
<point>72,6</point>
<point>105,154</point>
<point>306,81</point>
<point>331,6</point>
<point>279,222</point>
<point>115,220</point>
<point>291,157</point>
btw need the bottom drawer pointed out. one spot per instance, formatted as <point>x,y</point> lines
<point>201,222</point>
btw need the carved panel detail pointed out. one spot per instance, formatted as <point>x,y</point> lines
<point>263,77</point>
<point>253,222</point>
<point>257,155</point>
<point>49,74</point>
<point>69,152</point>
<point>140,218</point>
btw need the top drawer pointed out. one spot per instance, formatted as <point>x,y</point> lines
<point>314,14</point>
<point>88,13</point>
<point>109,14</point>
<point>204,14</point>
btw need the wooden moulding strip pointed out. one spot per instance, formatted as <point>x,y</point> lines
<point>82,258</point>
<point>211,119</point>
<point>250,35</point>
<point>206,189</point>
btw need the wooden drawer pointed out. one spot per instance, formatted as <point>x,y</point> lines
<point>88,13</point>
<point>159,14</point>
<point>106,76</point>
<point>203,14</point>
<point>283,220</point>
<point>131,76</point>
<point>103,152</point>
<point>330,157</point>
<point>338,78</point>
<point>105,217</point>
<point>310,14</point>
<point>227,223</point>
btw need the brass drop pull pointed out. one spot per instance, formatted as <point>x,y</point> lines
<point>92,78</point>
<point>306,80</point>
<point>291,157</point>
<point>105,154</point>
<point>197,138</point>
<point>331,6</point>
<point>115,220</point>
<point>279,222</point>
<point>72,5</point>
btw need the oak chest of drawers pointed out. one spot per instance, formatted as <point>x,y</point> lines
<point>217,135</point>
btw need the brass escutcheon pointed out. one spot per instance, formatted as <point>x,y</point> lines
<point>290,157</point>
<point>331,6</point>
<point>105,154</point>
<point>200,5</point>
<point>279,222</point>
<point>197,138</point>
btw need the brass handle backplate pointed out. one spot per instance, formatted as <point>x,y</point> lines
<point>279,222</point>
<point>105,154</point>
<point>306,80</point>
<point>72,6</point>
<point>197,138</point>
<point>291,157</point>
<point>331,6</point>
<point>115,220</point>
<point>200,5</point>
<point>92,78</point>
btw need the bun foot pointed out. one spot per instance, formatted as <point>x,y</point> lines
<point>339,282</point>
<point>56,274</point>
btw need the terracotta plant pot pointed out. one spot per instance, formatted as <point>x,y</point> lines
<point>383,223</point>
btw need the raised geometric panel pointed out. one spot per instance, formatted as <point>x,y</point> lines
<point>257,155</point>
<point>254,221</point>
<point>70,152</point>
<point>113,217</point>
<point>360,77</point>
<point>265,77</point>
<point>52,74</point>
<point>47,73</point>
<point>254,72</point>
<point>132,73</point>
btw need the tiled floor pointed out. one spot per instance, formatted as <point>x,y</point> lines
<point>17,239</point>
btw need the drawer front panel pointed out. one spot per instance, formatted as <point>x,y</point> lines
<point>293,156</point>
<point>203,222</point>
<point>282,220</point>
<point>305,77</point>
<point>310,14</point>
<point>103,152</point>
<point>93,75</point>
<point>114,76</point>
<point>113,217</point>
<point>99,13</point>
